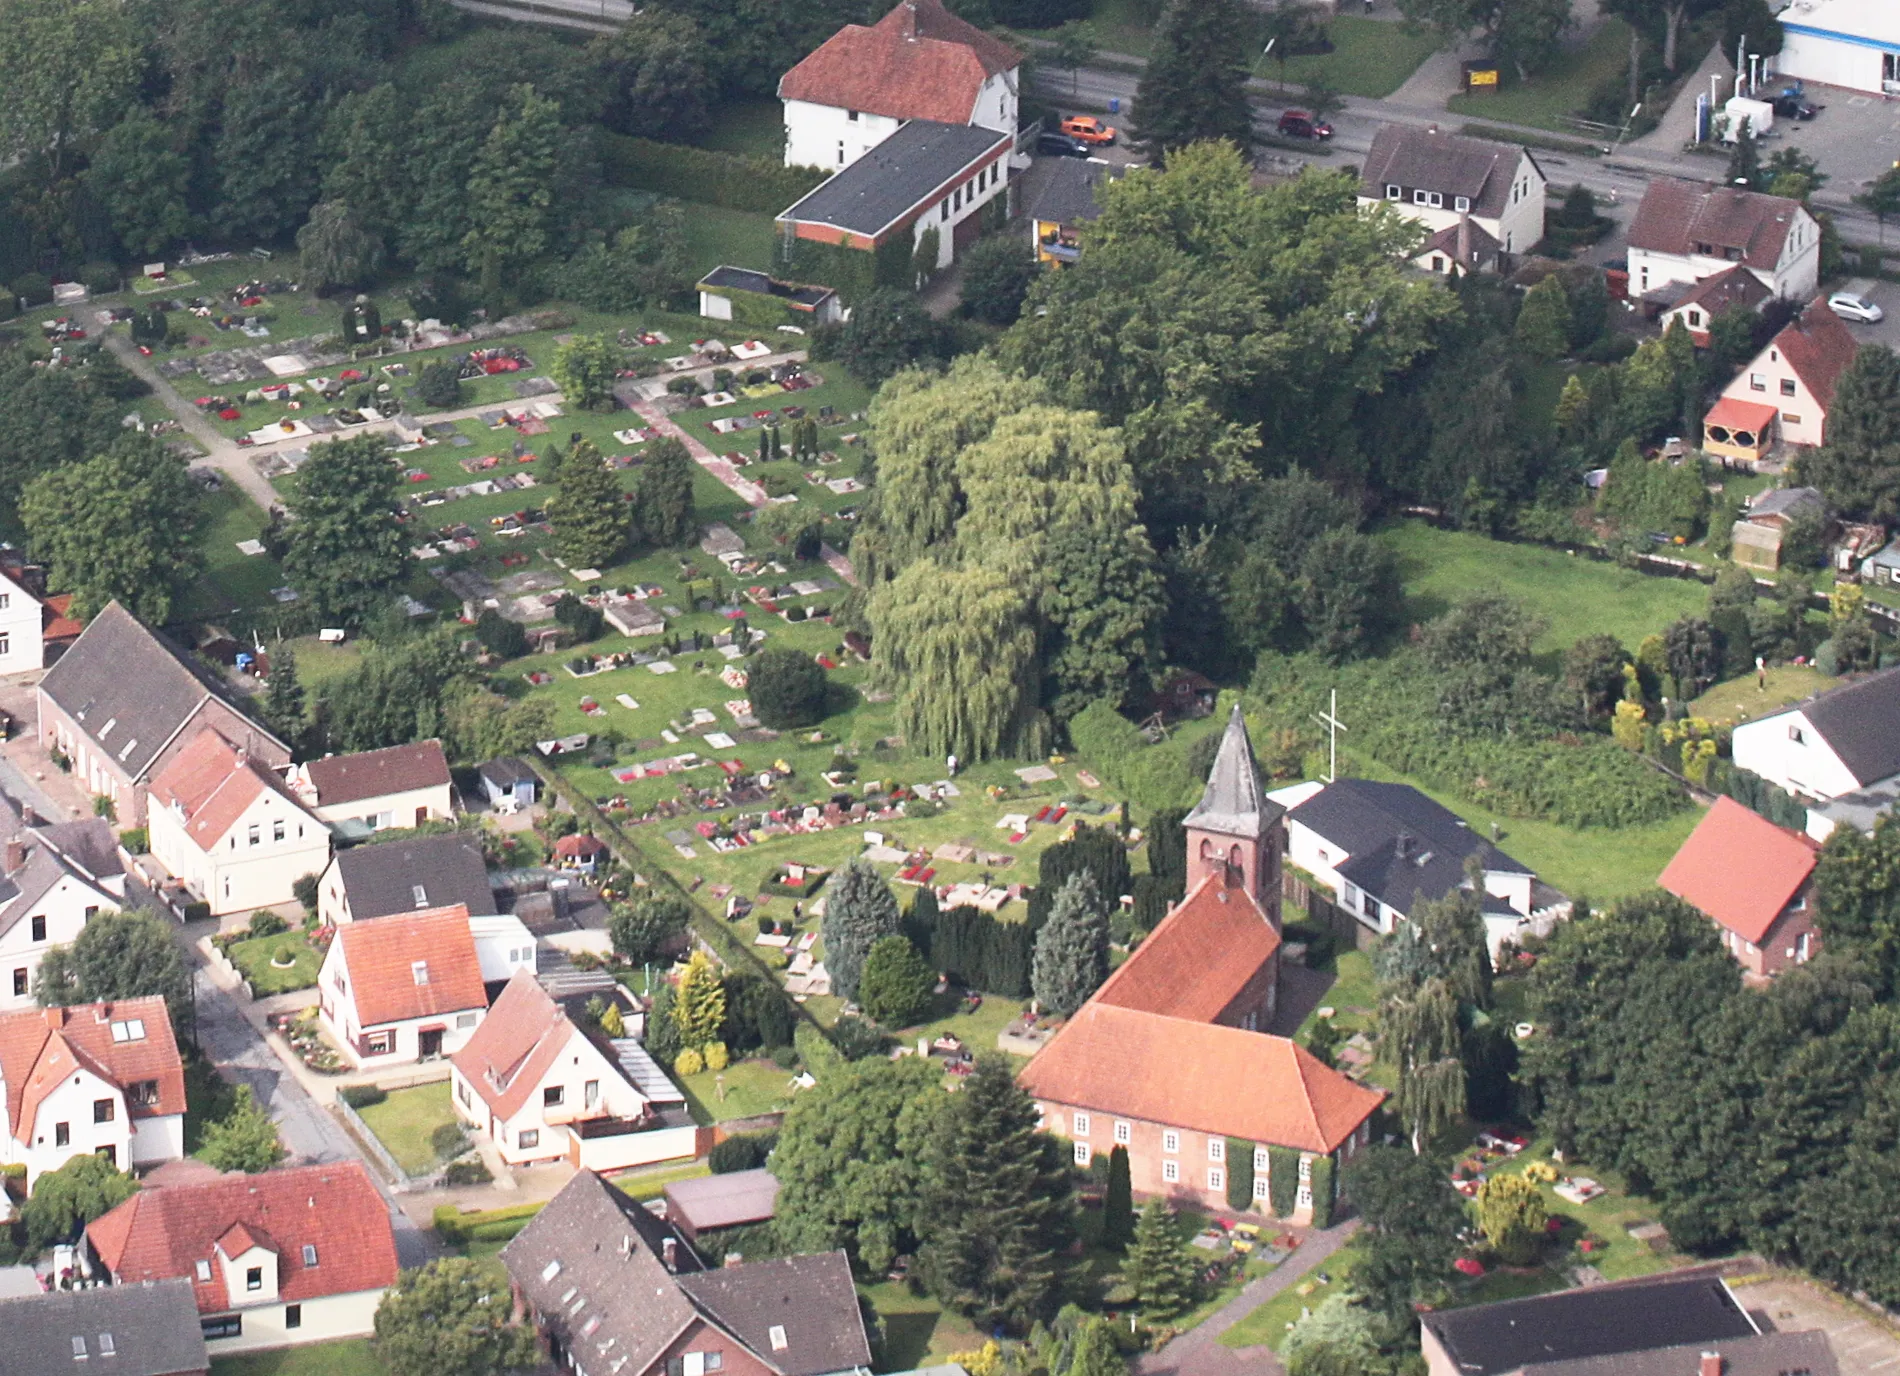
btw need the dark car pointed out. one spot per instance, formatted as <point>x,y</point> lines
<point>1794,107</point>
<point>1055,145</point>
<point>1298,124</point>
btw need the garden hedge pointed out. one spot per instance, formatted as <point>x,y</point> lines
<point>704,175</point>
<point>1239,1174</point>
<point>1283,1180</point>
<point>1322,1183</point>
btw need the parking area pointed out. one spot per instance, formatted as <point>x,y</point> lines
<point>1855,138</point>
<point>1861,1343</point>
<point>1885,295</point>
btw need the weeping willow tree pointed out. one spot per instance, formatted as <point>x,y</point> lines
<point>1419,1032</point>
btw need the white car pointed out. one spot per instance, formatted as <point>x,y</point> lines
<point>1851,306</point>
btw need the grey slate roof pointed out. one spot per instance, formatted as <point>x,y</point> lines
<point>1785,501</point>
<point>1401,843</point>
<point>507,771</point>
<point>83,849</point>
<point>1860,722</point>
<point>1067,194</point>
<point>723,1201</point>
<point>807,1302</point>
<point>887,183</point>
<point>131,689</point>
<point>88,843</point>
<point>1451,164</point>
<point>381,880</point>
<point>1235,803</point>
<point>1771,1354</point>
<point>726,278</point>
<point>1597,1321</point>
<point>151,1330</point>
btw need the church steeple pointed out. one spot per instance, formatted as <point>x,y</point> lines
<point>1234,831</point>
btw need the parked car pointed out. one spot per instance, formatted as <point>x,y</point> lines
<point>1853,306</point>
<point>1089,130</point>
<point>1300,124</point>
<point>1060,146</point>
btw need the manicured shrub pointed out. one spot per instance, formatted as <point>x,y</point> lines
<point>101,279</point>
<point>1322,1183</point>
<point>689,1062</point>
<point>361,1096</point>
<point>787,689</point>
<point>717,1058</point>
<point>264,922</point>
<point>1239,1174</point>
<point>745,1152</point>
<point>448,1140</point>
<point>1283,1180</point>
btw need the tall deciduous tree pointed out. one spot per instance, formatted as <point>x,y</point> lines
<point>143,182</point>
<point>1071,958</point>
<point>859,911</point>
<point>121,526</point>
<point>347,552</point>
<point>665,496</point>
<point>1857,897</point>
<point>589,516</point>
<point>1522,33</point>
<point>263,153</point>
<point>1194,87</point>
<point>585,368</point>
<point>364,142</point>
<point>335,247</point>
<point>1859,467</point>
<point>1412,1217</point>
<point>244,1139</point>
<point>117,956</point>
<point>510,189</point>
<point>655,66</point>
<point>643,929</point>
<point>71,71</point>
<point>451,1318</point>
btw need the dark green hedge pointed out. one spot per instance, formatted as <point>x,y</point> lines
<point>701,174</point>
<point>1322,1183</point>
<point>1283,1180</point>
<point>1239,1174</point>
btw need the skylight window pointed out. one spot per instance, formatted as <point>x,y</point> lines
<point>107,1348</point>
<point>777,1335</point>
<point>419,969</point>
<point>420,894</point>
<point>130,1030</point>
<point>310,1254</point>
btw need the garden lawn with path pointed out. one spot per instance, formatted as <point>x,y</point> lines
<point>407,1122</point>
<point>1745,698</point>
<point>258,959</point>
<point>1370,58</point>
<point>1562,89</point>
<point>344,1357</point>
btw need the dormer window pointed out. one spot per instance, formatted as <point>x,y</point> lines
<point>419,969</point>
<point>1461,203</point>
<point>254,1278</point>
<point>1393,193</point>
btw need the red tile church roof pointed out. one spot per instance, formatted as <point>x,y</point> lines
<point>1200,958</point>
<point>917,62</point>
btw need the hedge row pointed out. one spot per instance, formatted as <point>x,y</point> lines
<point>701,174</point>
<point>1152,777</point>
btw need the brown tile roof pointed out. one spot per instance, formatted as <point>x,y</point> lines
<point>165,1232</point>
<point>383,956</point>
<point>57,622</point>
<point>1740,868</point>
<point>1199,1076</point>
<point>1735,286</point>
<point>1200,957</point>
<point>1450,164</point>
<point>519,1039</point>
<point>917,62</point>
<point>40,1046</point>
<point>1819,347</point>
<point>1675,216</point>
<point>578,845</point>
<point>212,785</point>
<point>1466,243</point>
<point>378,773</point>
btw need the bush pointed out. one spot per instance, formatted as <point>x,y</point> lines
<point>717,1057</point>
<point>304,890</point>
<point>439,384</point>
<point>469,1171</point>
<point>703,175</point>
<point>689,1062</point>
<point>449,1140</point>
<point>856,1039</point>
<point>1322,1183</point>
<point>785,1057</point>
<point>34,288</point>
<point>500,636</point>
<point>361,1096</point>
<point>135,840</point>
<point>101,279</point>
<point>746,1152</point>
<point>896,986</point>
<point>787,689</point>
<point>264,922</point>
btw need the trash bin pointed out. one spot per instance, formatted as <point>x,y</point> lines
<point>1114,105</point>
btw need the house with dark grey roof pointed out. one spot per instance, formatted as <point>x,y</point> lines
<point>508,784</point>
<point>1063,203</point>
<point>128,1330</point>
<point>1838,751</point>
<point>1596,1329</point>
<point>124,700</point>
<point>615,1291</point>
<point>1438,179</point>
<point>1381,849</point>
<point>705,1206</point>
<point>53,878</point>
<point>405,877</point>
<point>928,176</point>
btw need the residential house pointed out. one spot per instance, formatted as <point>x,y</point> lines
<point>124,700</point>
<point>297,1255</point>
<point>708,1207</point>
<point>399,989</point>
<point>614,1291</point>
<point>1381,849</point>
<point>1437,179</point>
<point>230,829</point>
<point>1656,1324</point>
<point>22,626</point>
<point>405,876</point>
<point>1839,752</point>
<point>1794,378</point>
<point>1754,880</point>
<point>401,786</point>
<point>1066,200</point>
<point>1686,231</point>
<point>1850,43</point>
<point>579,851</point>
<point>1459,250</point>
<point>1734,288</point>
<point>1756,539</point>
<point>98,1078</point>
<point>1150,1062</point>
<point>753,297</point>
<point>509,784</point>
<point>53,879</point>
<point>919,62</point>
<point>542,1088</point>
<point>131,1330</point>
<point>503,945</point>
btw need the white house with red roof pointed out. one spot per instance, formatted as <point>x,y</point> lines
<point>54,878</point>
<point>300,1255</point>
<point>1170,1058</point>
<point>543,1089</point>
<point>401,786</point>
<point>1686,231</point>
<point>865,83</point>
<point>1753,879</point>
<point>1787,388</point>
<point>231,829</point>
<point>405,988</point>
<point>98,1078</point>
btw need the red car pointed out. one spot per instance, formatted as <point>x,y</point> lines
<point>1300,124</point>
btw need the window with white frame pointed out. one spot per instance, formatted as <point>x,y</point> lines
<point>1216,1178</point>
<point>1393,193</point>
<point>1260,1187</point>
<point>1259,1160</point>
<point>1124,1132</point>
<point>1081,1125</point>
<point>1420,196</point>
<point>1216,1149</point>
<point>1170,1141</point>
<point>1304,1197</point>
<point>1081,1153</point>
<point>528,1137</point>
<point>1170,1171</point>
<point>1461,203</point>
<point>1306,1168</point>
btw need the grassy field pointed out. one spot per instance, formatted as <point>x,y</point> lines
<point>346,1357</point>
<point>254,958</point>
<point>1563,89</point>
<point>749,1088</point>
<point>715,235</point>
<point>1742,698</point>
<point>753,126</point>
<point>406,1121</point>
<point>918,1331</point>
<point>1370,57</point>
<point>1268,1324</point>
<point>231,578</point>
<point>1121,26</point>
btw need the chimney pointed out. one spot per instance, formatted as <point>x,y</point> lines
<point>1712,1364</point>
<point>16,854</point>
<point>669,1254</point>
<point>56,1018</point>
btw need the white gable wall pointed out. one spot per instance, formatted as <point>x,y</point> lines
<point>72,1104</point>
<point>22,647</point>
<point>831,137</point>
<point>1769,378</point>
<point>273,843</point>
<point>336,1009</point>
<point>65,908</point>
<point>1786,750</point>
<point>537,1131</point>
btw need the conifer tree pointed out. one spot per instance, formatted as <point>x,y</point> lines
<point>1118,1209</point>
<point>860,910</point>
<point>285,709</point>
<point>590,523</point>
<point>666,494</point>
<point>999,1201</point>
<point>1095,1351</point>
<point>1071,958</point>
<point>1195,84</point>
<point>1158,1268</point>
<point>700,1006</point>
<point>1543,325</point>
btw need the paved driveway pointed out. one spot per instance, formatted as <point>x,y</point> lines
<point>1862,1344</point>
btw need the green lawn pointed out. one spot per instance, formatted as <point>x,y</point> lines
<point>1574,595</point>
<point>715,235</point>
<point>918,1331</point>
<point>1268,1323</point>
<point>1563,89</point>
<point>1121,26</point>
<point>231,578</point>
<point>754,127</point>
<point>1370,57</point>
<point>254,958</point>
<point>345,1357</point>
<point>406,1122</point>
<point>1741,698</point>
<point>750,1088</point>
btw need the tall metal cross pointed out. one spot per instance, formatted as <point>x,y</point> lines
<point>1330,720</point>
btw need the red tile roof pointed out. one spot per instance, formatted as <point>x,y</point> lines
<point>1199,1076</point>
<point>383,954</point>
<point>165,1232</point>
<point>40,1046</point>
<point>213,785</point>
<point>1676,216</point>
<point>917,62</point>
<point>378,773</point>
<point>519,1039</point>
<point>1734,413</point>
<point>1200,957</point>
<point>1740,869</point>
<point>57,622</point>
<point>1819,347</point>
<point>578,845</point>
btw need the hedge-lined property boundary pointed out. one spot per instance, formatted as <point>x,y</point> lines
<point>702,174</point>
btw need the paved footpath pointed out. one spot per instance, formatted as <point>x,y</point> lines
<point>1199,1353</point>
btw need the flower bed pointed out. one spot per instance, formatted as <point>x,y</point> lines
<point>302,1032</point>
